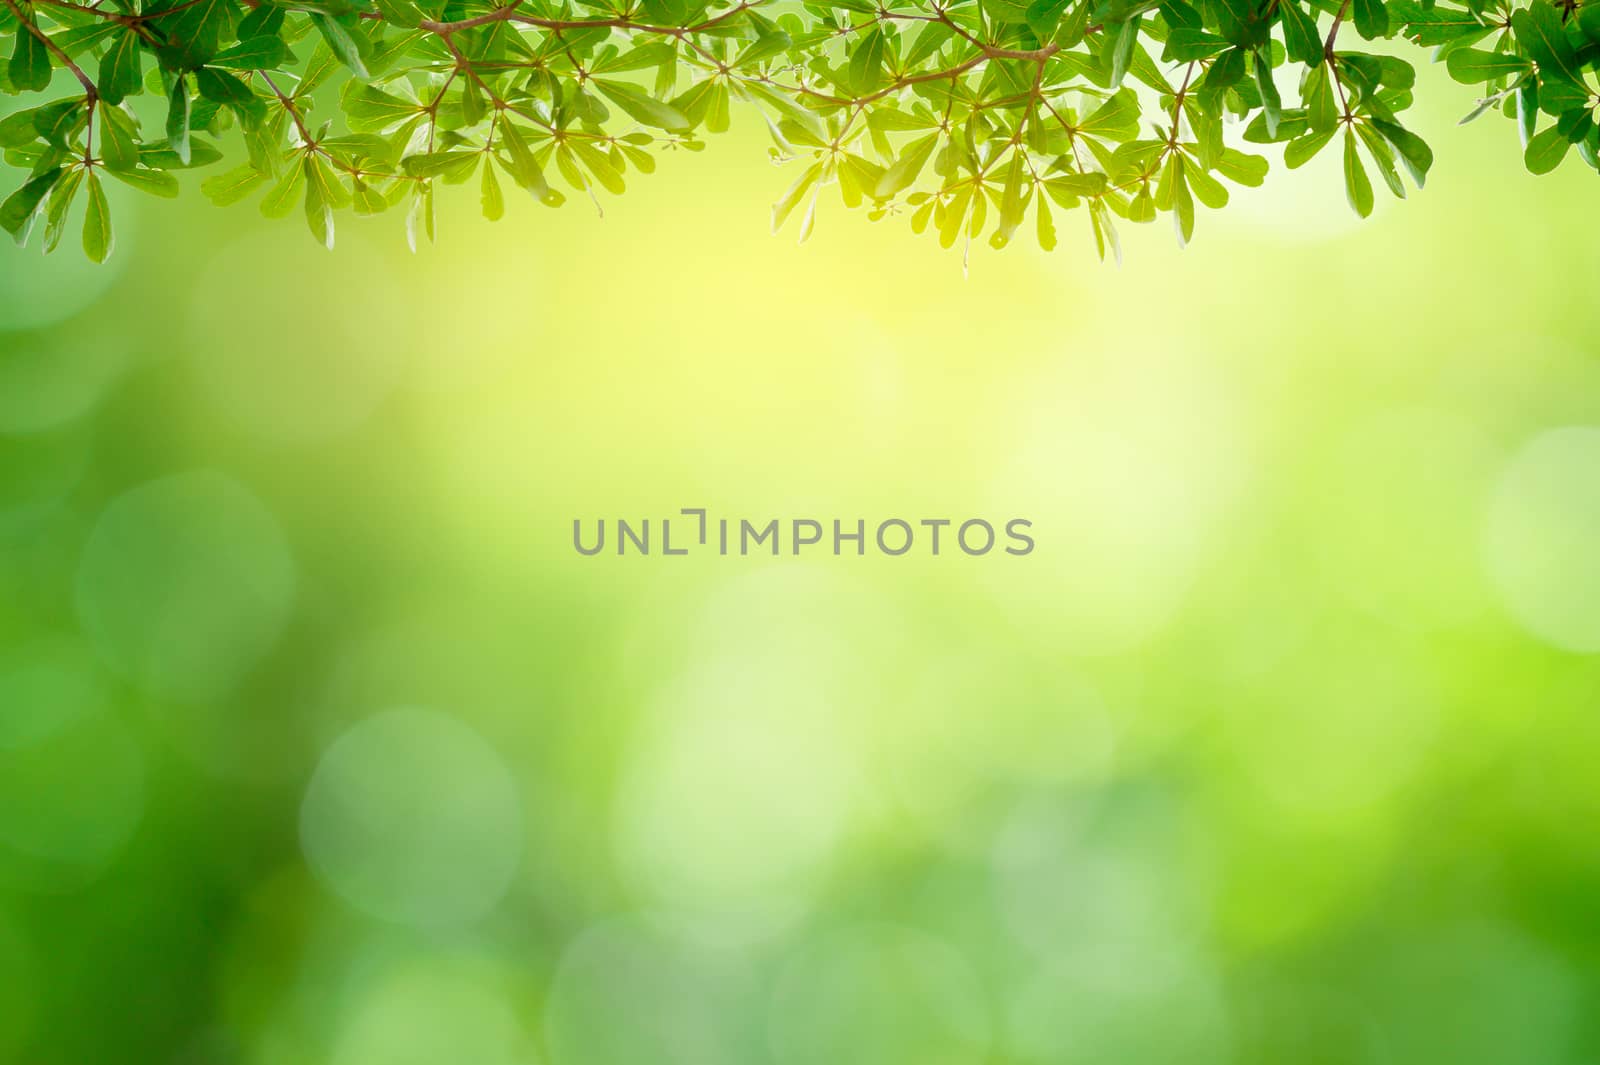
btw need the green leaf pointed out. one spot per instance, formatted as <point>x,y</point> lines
<point>1383,157</point>
<point>492,200</point>
<point>400,13</point>
<point>641,106</point>
<point>1527,109</point>
<point>319,69</point>
<point>645,56</point>
<point>889,119</point>
<point>1545,151</point>
<point>1413,150</point>
<point>58,122</point>
<point>19,209</point>
<point>473,106</point>
<point>280,200</point>
<point>1371,18</point>
<point>97,235</point>
<point>80,40</point>
<point>1046,224</point>
<point>195,33</point>
<point>791,110</point>
<point>524,167</point>
<point>1118,117</point>
<point>1207,189</point>
<point>222,87</point>
<point>904,171</point>
<point>18,129</point>
<point>1242,168</point>
<point>342,42</point>
<point>1302,150</point>
<point>121,69</point>
<point>1012,204</point>
<point>29,69</point>
<point>367,199</point>
<point>934,36</point>
<point>58,207</point>
<point>1123,42</point>
<point>782,209</point>
<point>369,109</point>
<point>1300,33</point>
<point>1430,23</point>
<point>118,149</point>
<point>1357,186</point>
<point>324,194</point>
<point>1588,19</point>
<point>453,167</point>
<point>1540,31</point>
<point>225,88</point>
<point>866,62</point>
<point>161,157</point>
<point>258,53</point>
<point>1182,202</point>
<point>1471,65</point>
<point>266,20</point>
<point>155,182</point>
<point>179,110</point>
<point>1271,104</point>
<point>1185,44</point>
<point>600,165</point>
<point>765,47</point>
<point>233,186</point>
<point>1322,112</point>
<point>1042,17</point>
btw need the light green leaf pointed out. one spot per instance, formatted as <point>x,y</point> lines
<point>641,106</point>
<point>233,186</point>
<point>154,182</point>
<point>1357,186</point>
<point>97,235</point>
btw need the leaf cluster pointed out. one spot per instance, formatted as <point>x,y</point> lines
<point>972,116</point>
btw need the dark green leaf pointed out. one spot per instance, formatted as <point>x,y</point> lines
<point>18,210</point>
<point>179,110</point>
<point>121,73</point>
<point>1300,33</point>
<point>342,41</point>
<point>1470,65</point>
<point>29,69</point>
<point>1371,18</point>
<point>257,53</point>
<point>1545,151</point>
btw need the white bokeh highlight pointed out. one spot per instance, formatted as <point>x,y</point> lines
<point>1541,538</point>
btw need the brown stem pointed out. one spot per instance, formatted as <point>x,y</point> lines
<point>288,105</point>
<point>1177,105</point>
<point>1333,31</point>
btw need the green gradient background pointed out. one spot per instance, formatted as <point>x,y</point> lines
<point>318,743</point>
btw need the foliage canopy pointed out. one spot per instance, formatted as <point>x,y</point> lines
<point>970,115</point>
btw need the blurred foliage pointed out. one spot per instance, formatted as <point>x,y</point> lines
<point>968,116</point>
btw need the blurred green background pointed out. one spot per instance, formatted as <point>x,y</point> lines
<point>319,743</point>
